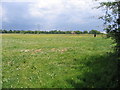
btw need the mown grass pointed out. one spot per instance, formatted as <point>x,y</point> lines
<point>57,61</point>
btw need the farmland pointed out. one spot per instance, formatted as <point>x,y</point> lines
<point>57,61</point>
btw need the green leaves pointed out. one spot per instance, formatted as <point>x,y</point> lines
<point>112,21</point>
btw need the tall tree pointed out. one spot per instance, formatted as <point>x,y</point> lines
<point>112,21</point>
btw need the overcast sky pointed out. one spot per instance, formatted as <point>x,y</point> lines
<point>51,15</point>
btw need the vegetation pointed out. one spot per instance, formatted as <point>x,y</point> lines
<point>112,21</point>
<point>57,61</point>
<point>50,32</point>
<point>94,32</point>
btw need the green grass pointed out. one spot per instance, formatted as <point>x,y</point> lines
<point>57,61</point>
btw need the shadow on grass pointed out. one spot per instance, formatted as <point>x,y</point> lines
<point>99,72</point>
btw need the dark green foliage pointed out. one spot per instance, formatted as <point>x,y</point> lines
<point>78,32</point>
<point>10,31</point>
<point>68,32</point>
<point>98,73</point>
<point>85,32</point>
<point>94,32</point>
<point>112,21</point>
<point>0,31</point>
<point>4,31</point>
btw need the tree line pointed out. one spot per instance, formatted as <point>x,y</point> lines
<point>50,32</point>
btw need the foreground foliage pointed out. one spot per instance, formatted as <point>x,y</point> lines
<point>112,21</point>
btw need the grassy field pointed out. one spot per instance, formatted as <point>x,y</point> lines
<point>57,61</point>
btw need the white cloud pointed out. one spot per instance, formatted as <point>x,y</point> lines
<point>46,8</point>
<point>51,9</point>
<point>0,11</point>
<point>105,0</point>
<point>18,0</point>
<point>103,32</point>
<point>4,15</point>
<point>0,16</point>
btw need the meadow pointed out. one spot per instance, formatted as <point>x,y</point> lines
<point>57,61</point>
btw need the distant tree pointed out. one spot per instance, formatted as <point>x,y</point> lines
<point>21,31</point>
<point>85,32</point>
<point>94,32</point>
<point>17,31</point>
<point>0,30</point>
<point>4,31</point>
<point>67,32</point>
<point>78,32</point>
<point>10,31</point>
<point>35,32</point>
